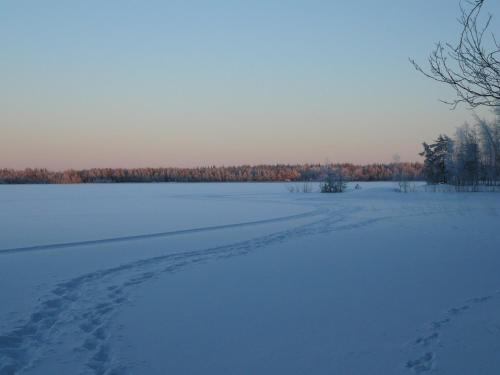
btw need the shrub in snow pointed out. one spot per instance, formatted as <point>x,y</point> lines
<point>333,183</point>
<point>306,187</point>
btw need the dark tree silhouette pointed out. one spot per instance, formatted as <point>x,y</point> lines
<point>472,66</point>
<point>437,156</point>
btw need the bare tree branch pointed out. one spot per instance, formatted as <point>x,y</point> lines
<point>471,67</point>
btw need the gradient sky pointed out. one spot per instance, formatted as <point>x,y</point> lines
<point>184,83</point>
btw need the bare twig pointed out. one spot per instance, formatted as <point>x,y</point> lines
<point>470,68</point>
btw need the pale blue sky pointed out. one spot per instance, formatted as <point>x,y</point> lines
<point>184,83</point>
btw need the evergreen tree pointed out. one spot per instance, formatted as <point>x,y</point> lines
<point>437,161</point>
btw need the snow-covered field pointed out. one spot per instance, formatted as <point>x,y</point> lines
<point>248,279</point>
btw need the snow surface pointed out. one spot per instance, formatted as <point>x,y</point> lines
<point>248,279</point>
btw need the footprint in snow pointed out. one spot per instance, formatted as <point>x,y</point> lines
<point>426,346</point>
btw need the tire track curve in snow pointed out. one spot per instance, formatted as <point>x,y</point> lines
<point>315,212</point>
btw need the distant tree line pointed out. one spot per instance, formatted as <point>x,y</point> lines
<point>244,173</point>
<point>468,160</point>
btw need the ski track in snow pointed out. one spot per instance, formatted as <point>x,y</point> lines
<point>75,316</point>
<point>160,234</point>
<point>425,347</point>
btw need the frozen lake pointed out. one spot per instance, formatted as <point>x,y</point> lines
<point>247,279</point>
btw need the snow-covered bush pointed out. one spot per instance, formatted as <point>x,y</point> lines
<point>333,183</point>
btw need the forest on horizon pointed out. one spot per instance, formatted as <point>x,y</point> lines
<point>244,173</point>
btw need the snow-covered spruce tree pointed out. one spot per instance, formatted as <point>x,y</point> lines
<point>437,160</point>
<point>429,160</point>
